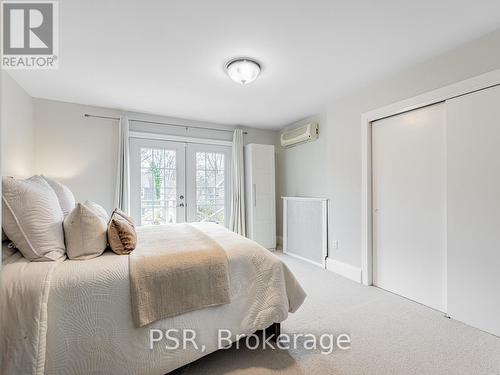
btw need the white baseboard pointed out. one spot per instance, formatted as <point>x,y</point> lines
<point>304,259</point>
<point>344,269</point>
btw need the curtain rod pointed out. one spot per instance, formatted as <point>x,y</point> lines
<point>162,123</point>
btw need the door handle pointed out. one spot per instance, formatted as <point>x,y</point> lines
<point>180,205</point>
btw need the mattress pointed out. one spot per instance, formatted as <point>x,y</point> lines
<point>89,320</point>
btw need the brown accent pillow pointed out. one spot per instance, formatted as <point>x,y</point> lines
<point>122,237</point>
<point>119,212</point>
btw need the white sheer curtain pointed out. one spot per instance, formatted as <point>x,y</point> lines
<point>237,218</point>
<point>122,191</point>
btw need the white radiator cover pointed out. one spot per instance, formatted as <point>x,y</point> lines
<point>305,229</point>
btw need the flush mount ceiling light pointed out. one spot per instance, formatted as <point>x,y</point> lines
<point>243,70</point>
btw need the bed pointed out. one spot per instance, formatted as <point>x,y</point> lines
<point>82,312</point>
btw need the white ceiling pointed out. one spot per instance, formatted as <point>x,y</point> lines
<point>167,57</point>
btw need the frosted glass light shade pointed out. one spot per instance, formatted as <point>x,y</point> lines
<point>243,70</point>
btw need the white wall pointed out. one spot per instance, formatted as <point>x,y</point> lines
<point>78,151</point>
<point>297,168</point>
<point>81,152</point>
<point>16,130</point>
<point>253,135</point>
<point>342,164</point>
<point>17,136</point>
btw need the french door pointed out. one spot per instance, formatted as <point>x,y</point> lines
<point>175,182</point>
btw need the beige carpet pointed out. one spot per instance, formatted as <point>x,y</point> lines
<point>390,335</point>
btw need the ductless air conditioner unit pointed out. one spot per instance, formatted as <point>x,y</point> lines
<point>306,133</point>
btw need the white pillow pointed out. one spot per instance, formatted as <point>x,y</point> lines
<point>64,195</point>
<point>32,218</point>
<point>85,230</point>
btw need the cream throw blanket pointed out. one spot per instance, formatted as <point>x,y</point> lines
<point>176,269</point>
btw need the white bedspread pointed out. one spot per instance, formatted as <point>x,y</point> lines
<point>24,293</point>
<point>90,327</point>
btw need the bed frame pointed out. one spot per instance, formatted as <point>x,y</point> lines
<point>274,330</point>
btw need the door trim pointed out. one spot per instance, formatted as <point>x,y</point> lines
<point>465,87</point>
<point>177,138</point>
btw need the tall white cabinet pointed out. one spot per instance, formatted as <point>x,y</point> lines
<point>260,194</point>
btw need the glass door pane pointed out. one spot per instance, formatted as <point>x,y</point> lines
<point>157,182</point>
<point>208,183</point>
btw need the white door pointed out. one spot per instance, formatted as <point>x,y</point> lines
<point>473,209</point>
<point>409,201</point>
<point>208,183</point>
<point>174,182</point>
<point>157,181</point>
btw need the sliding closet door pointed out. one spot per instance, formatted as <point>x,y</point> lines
<point>409,201</point>
<point>474,209</point>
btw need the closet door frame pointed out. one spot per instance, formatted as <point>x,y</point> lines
<point>465,87</point>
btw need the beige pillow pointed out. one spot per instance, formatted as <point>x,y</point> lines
<point>64,195</point>
<point>85,232</point>
<point>32,218</point>
<point>101,211</point>
<point>122,237</point>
